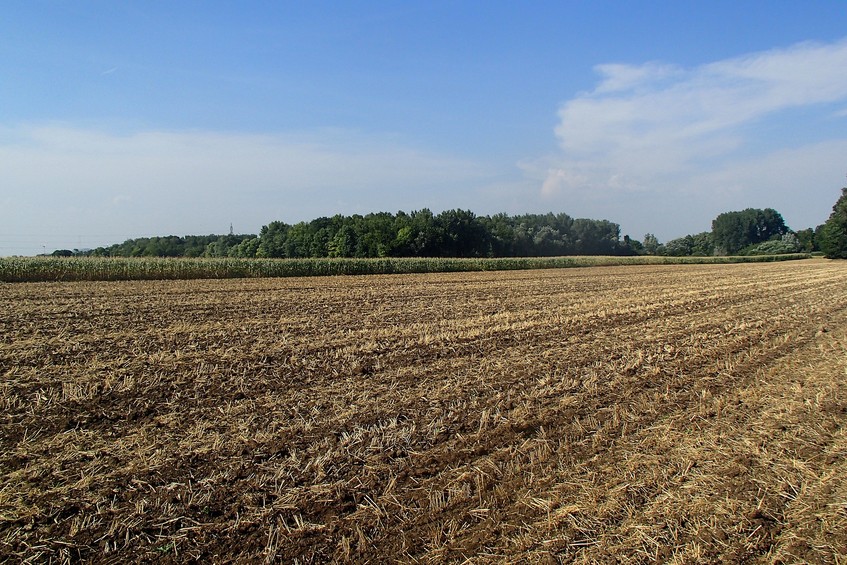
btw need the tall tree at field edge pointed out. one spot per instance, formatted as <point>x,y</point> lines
<point>833,235</point>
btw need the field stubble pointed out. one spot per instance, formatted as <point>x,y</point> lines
<point>651,413</point>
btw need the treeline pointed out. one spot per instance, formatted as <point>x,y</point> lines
<point>749,232</point>
<point>462,234</point>
<point>168,246</point>
<point>453,233</point>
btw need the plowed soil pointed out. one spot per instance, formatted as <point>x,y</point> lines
<point>639,414</point>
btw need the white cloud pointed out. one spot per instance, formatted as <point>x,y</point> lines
<point>68,181</point>
<point>617,77</point>
<point>286,162</point>
<point>656,127</point>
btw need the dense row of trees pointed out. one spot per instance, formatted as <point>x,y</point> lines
<point>460,233</point>
<point>169,246</point>
<point>453,233</point>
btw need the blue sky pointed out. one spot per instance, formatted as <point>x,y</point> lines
<point>126,119</point>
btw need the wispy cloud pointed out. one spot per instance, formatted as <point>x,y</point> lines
<point>655,127</point>
<point>72,179</point>
<point>314,160</point>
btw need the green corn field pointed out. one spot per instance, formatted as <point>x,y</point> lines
<point>43,269</point>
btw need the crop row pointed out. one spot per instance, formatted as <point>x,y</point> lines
<point>43,269</point>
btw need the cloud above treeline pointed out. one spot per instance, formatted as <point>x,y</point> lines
<point>157,182</point>
<point>215,161</point>
<point>662,127</point>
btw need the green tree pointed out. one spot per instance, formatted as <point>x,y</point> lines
<point>377,235</point>
<point>401,246</point>
<point>833,234</point>
<point>298,242</point>
<point>501,235</point>
<point>272,240</point>
<point>548,242</point>
<point>426,236</point>
<point>343,243</point>
<point>679,247</point>
<point>219,247</point>
<point>248,247</point>
<point>651,244</point>
<point>632,246</point>
<point>786,244</point>
<point>806,239</point>
<point>702,244</point>
<point>595,237</point>
<point>733,231</point>
<point>462,234</point>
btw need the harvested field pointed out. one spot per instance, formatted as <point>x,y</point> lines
<point>691,413</point>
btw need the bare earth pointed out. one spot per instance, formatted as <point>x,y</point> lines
<point>676,414</point>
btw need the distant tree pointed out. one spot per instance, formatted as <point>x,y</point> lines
<point>733,231</point>
<point>462,234</point>
<point>519,240</point>
<point>377,235</point>
<point>651,244</point>
<point>595,237</point>
<point>220,246</point>
<point>319,242</point>
<point>702,244</point>
<point>697,245</point>
<point>632,246</point>
<point>272,240</point>
<point>343,243</point>
<point>806,239</point>
<point>501,235</point>
<point>770,225</point>
<point>425,236</point>
<point>679,247</point>
<point>401,246</point>
<point>833,234</point>
<point>247,248</point>
<point>170,246</point>
<point>549,242</point>
<point>788,243</point>
<point>298,241</point>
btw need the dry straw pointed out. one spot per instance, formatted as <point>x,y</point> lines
<point>678,414</point>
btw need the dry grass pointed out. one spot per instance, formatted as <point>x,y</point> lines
<point>658,413</point>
